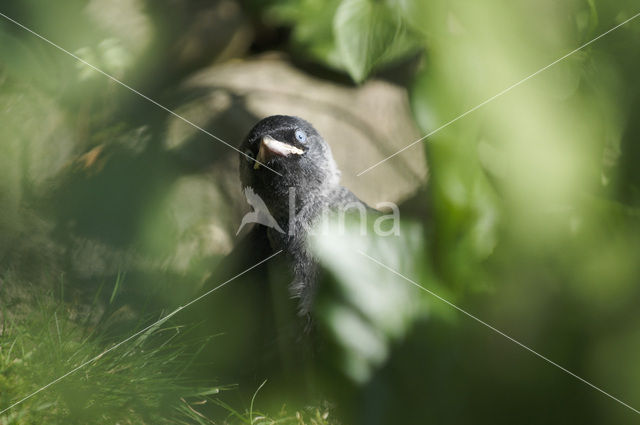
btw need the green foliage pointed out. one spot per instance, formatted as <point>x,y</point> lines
<point>310,415</point>
<point>139,382</point>
<point>364,31</point>
<point>533,200</point>
<point>358,36</point>
<point>313,34</point>
<point>365,328</point>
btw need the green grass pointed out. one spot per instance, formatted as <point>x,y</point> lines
<point>310,415</point>
<point>139,382</point>
<point>143,381</point>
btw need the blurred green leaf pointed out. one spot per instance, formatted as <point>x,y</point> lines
<point>23,61</point>
<point>367,307</point>
<point>415,12</point>
<point>349,35</point>
<point>311,21</point>
<point>465,204</point>
<point>365,31</point>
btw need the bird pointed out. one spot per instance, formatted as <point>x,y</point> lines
<point>263,320</point>
<point>260,213</point>
<point>287,163</point>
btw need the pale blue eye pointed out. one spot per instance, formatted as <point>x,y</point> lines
<point>301,136</point>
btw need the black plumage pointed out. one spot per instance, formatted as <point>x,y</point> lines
<point>259,330</point>
<point>299,184</point>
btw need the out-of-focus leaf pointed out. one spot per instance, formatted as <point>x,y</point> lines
<point>466,209</point>
<point>414,12</point>
<point>22,61</point>
<point>311,21</point>
<point>110,56</point>
<point>587,20</point>
<point>352,35</point>
<point>365,32</point>
<point>367,307</point>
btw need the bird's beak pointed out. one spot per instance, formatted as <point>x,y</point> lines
<point>271,147</point>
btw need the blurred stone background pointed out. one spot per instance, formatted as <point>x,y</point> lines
<point>115,183</point>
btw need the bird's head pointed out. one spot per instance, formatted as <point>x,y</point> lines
<point>295,155</point>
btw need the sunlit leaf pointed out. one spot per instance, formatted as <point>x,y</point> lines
<point>365,31</point>
<point>369,304</point>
